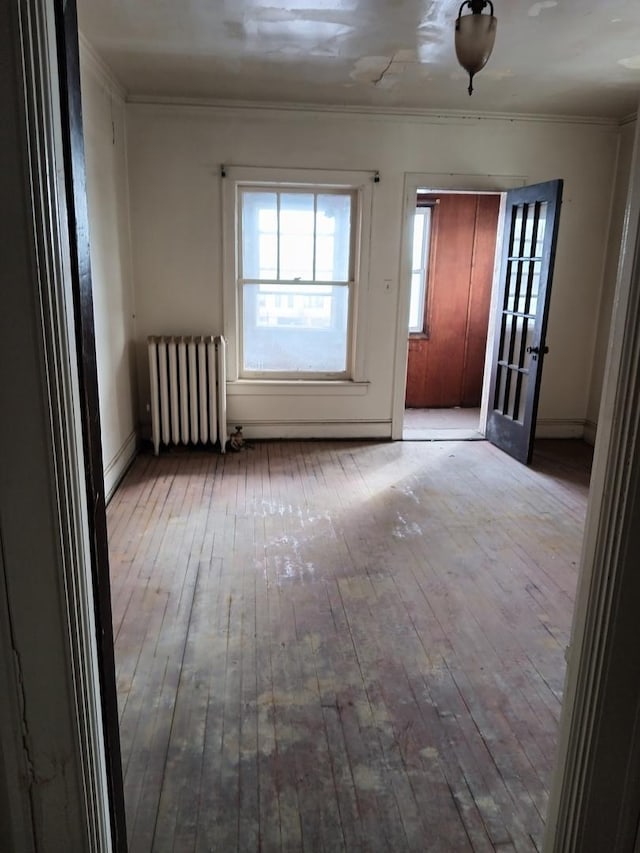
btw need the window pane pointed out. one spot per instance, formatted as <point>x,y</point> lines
<point>419,252</point>
<point>296,236</point>
<point>333,237</point>
<point>295,329</point>
<point>259,235</point>
<point>418,239</point>
<point>416,308</point>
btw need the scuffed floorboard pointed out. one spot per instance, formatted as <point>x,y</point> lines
<point>328,646</point>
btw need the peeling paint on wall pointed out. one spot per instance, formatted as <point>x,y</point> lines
<point>385,72</point>
<point>537,8</point>
<point>631,62</point>
<point>368,68</point>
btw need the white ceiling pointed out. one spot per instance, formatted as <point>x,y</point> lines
<point>561,57</point>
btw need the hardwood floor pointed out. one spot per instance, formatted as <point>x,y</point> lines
<point>332,646</point>
<point>441,425</point>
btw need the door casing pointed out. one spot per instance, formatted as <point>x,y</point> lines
<point>54,769</point>
<point>445,364</point>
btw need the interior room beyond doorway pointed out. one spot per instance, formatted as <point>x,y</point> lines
<point>453,260</point>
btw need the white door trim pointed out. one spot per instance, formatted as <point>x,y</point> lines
<point>48,644</point>
<point>595,797</point>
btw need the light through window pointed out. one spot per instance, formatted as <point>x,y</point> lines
<point>295,280</point>
<point>419,264</point>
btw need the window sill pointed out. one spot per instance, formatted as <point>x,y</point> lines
<point>297,387</point>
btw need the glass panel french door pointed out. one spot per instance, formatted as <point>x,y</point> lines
<point>531,230</point>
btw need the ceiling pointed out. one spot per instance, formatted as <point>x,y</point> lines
<point>558,57</point>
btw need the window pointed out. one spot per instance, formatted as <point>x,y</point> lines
<point>419,269</point>
<point>295,280</point>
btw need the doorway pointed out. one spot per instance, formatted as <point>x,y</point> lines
<point>453,251</point>
<point>416,183</point>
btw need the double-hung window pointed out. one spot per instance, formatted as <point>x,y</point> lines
<point>419,269</point>
<point>295,280</point>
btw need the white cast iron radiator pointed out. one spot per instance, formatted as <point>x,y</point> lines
<point>188,390</point>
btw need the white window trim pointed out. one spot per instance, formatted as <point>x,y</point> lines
<point>362,185</point>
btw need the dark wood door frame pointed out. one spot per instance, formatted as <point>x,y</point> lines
<point>78,225</point>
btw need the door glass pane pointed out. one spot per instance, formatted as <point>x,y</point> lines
<point>259,235</point>
<point>519,334</point>
<point>506,338</point>
<point>498,403</point>
<point>519,409</point>
<point>518,226</point>
<point>520,283</point>
<point>333,237</point>
<point>512,278</point>
<point>295,329</point>
<point>542,224</point>
<point>296,236</point>
<point>529,288</point>
<point>522,296</point>
<point>533,286</point>
<point>528,231</point>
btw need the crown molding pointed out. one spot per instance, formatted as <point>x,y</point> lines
<point>90,57</point>
<point>382,113</point>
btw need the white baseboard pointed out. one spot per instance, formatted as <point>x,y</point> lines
<point>314,429</point>
<point>555,428</point>
<point>115,470</point>
<point>545,428</point>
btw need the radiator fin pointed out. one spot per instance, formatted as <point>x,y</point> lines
<point>188,390</point>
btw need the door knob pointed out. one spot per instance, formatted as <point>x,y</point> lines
<point>536,350</point>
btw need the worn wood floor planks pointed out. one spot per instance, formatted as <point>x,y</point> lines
<point>354,646</point>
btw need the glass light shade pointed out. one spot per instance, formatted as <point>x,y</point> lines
<point>475,37</point>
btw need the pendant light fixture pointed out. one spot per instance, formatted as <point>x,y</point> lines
<point>475,35</point>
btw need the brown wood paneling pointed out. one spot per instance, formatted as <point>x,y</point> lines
<point>416,365</point>
<point>481,277</point>
<point>445,367</point>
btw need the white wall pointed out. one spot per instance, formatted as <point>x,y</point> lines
<point>175,154</point>
<point>620,192</point>
<point>107,192</point>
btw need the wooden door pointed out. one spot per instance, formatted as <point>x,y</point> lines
<point>531,231</point>
<point>446,360</point>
